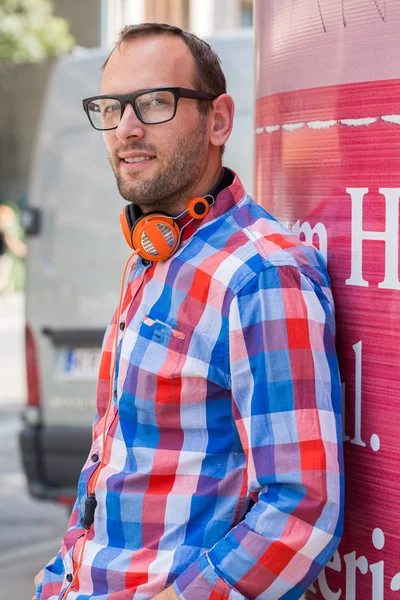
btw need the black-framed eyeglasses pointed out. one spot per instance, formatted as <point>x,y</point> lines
<point>153,106</point>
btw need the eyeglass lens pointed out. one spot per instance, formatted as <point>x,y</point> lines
<point>153,107</point>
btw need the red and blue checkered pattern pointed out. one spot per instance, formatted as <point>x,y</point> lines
<point>223,461</point>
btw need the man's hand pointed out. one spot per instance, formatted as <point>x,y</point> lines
<point>39,576</point>
<point>167,594</point>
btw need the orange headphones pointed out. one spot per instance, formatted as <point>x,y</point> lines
<point>156,235</point>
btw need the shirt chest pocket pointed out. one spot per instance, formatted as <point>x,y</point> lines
<point>155,364</point>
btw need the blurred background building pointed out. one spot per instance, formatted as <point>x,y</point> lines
<point>97,22</point>
<point>203,17</point>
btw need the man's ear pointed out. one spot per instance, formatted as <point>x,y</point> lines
<point>222,119</point>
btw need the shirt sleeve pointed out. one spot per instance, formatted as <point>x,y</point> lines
<point>286,398</point>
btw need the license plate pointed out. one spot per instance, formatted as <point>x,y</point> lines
<point>78,364</point>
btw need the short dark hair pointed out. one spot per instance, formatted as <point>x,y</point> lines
<point>208,76</point>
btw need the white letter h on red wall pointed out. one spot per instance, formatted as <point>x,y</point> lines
<point>390,236</point>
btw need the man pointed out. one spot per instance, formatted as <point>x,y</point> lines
<point>216,465</point>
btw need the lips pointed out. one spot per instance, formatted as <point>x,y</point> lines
<point>136,163</point>
<point>135,159</point>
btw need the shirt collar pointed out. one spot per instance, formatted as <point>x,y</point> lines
<point>227,192</point>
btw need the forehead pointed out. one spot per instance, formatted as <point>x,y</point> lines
<point>156,61</point>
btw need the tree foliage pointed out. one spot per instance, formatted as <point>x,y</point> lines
<point>30,33</point>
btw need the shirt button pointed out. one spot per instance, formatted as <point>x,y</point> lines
<point>146,262</point>
<point>122,326</point>
<point>69,577</point>
<point>115,393</point>
<point>95,457</point>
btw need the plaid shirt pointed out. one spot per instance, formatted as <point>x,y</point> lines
<point>223,461</point>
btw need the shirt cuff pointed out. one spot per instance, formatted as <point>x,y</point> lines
<point>201,582</point>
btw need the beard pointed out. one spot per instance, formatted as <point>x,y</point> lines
<point>179,172</point>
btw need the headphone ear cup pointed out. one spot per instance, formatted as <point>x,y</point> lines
<point>198,208</point>
<point>126,222</point>
<point>156,237</point>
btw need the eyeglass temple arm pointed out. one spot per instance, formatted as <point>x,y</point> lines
<point>185,93</point>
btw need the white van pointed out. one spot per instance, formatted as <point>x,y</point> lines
<point>76,254</point>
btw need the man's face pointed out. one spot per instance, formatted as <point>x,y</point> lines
<point>176,151</point>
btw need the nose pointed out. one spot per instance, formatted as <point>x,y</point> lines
<point>129,125</point>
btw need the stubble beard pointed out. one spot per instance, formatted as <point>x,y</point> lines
<point>172,184</point>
